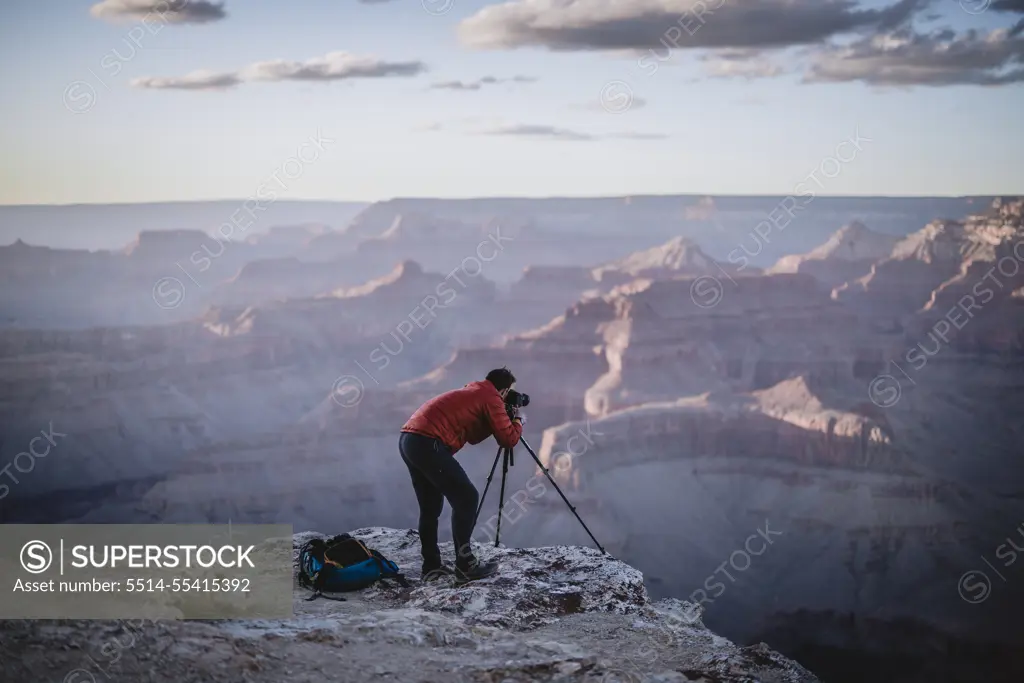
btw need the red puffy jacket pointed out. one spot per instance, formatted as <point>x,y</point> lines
<point>466,415</point>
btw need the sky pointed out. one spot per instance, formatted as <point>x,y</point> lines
<point>140,100</point>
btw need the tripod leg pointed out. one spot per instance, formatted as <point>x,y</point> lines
<point>501,495</point>
<point>571,507</point>
<point>486,486</point>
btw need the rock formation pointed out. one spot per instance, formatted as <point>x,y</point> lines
<point>596,227</point>
<point>111,226</point>
<point>774,426</point>
<point>282,278</point>
<point>557,613</point>
<point>168,276</point>
<point>685,412</point>
<point>543,292</point>
<point>679,256</point>
<point>141,398</point>
<point>330,246</point>
<point>553,285</point>
<point>289,237</point>
<point>847,255</point>
<point>989,279</point>
<point>942,251</point>
<point>659,344</point>
<point>859,502</point>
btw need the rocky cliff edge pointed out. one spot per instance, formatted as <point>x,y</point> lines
<point>551,614</point>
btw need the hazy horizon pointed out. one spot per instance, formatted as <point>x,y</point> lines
<point>666,195</point>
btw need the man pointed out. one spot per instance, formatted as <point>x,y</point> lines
<point>428,444</point>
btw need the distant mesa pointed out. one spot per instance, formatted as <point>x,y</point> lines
<point>1007,207</point>
<point>306,228</point>
<point>412,227</point>
<point>679,256</point>
<point>418,218</point>
<point>166,243</point>
<point>703,210</point>
<point>555,276</point>
<point>405,272</point>
<point>923,260</point>
<point>986,285</point>
<point>546,289</point>
<point>268,268</point>
<point>937,243</point>
<point>31,264</point>
<point>853,242</point>
<point>21,255</point>
<point>847,255</point>
<point>289,235</point>
<point>659,344</point>
<point>330,245</point>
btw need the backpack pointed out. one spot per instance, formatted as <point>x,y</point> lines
<point>343,564</point>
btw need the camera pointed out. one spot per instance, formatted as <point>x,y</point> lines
<point>516,399</point>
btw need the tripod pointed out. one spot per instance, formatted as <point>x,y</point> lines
<point>508,460</point>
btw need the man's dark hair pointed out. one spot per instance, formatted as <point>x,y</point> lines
<point>501,378</point>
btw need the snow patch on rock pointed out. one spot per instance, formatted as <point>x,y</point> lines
<point>533,586</point>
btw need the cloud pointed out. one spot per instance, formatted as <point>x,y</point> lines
<point>844,40</point>
<point>607,25</point>
<point>1008,6</point>
<point>724,68</point>
<point>1014,6</point>
<point>749,64</point>
<point>477,85</point>
<point>539,131</point>
<point>335,66</point>
<point>941,58</point>
<point>166,11</point>
<point>197,80</point>
<point>555,133</point>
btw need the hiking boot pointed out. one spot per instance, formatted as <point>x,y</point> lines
<point>435,572</point>
<point>477,570</point>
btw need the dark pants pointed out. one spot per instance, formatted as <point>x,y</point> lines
<point>436,475</point>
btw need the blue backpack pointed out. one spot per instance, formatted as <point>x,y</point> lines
<point>342,564</point>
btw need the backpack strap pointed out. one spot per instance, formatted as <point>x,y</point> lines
<point>318,591</point>
<point>400,578</point>
<point>384,571</point>
<point>319,594</point>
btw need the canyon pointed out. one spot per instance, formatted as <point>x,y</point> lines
<point>849,406</point>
